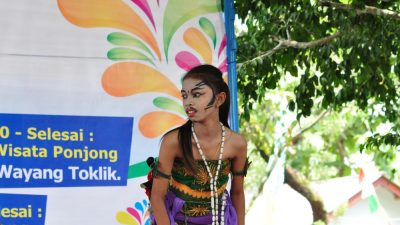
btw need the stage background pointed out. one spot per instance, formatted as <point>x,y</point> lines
<point>87,89</point>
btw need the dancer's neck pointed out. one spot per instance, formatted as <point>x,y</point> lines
<point>207,129</point>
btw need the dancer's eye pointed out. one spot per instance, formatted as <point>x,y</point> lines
<point>184,96</point>
<point>196,94</point>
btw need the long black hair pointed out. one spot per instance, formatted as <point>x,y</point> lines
<point>212,77</point>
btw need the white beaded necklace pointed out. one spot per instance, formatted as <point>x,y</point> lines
<point>213,180</point>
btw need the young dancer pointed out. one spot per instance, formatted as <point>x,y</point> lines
<point>196,159</point>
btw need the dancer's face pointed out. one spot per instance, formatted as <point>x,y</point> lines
<point>198,99</point>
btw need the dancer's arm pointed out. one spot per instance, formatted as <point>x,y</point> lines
<point>237,188</point>
<point>159,190</point>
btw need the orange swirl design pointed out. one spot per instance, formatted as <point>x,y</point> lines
<point>129,78</point>
<point>154,124</point>
<point>107,13</point>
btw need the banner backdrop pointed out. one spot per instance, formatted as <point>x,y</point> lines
<point>87,88</point>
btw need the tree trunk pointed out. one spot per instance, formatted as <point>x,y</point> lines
<point>296,181</point>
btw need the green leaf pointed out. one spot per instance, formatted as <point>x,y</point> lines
<point>122,39</point>
<point>119,54</point>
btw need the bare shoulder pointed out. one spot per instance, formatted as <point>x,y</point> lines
<point>238,143</point>
<point>170,143</point>
<point>238,140</point>
<point>170,138</point>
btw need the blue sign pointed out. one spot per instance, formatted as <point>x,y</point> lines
<point>22,209</point>
<point>64,151</point>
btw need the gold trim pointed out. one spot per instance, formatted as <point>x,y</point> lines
<point>197,194</point>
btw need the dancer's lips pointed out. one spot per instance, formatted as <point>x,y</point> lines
<point>191,112</point>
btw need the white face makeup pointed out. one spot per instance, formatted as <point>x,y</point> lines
<point>197,96</point>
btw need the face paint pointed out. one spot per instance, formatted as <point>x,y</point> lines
<point>211,103</point>
<point>200,84</point>
<point>196,95</point>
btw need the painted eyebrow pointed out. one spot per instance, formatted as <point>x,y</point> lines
<point>198,86</point>
<point>201,83</point>
<point>194,89</point>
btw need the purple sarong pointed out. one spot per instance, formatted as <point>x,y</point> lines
<point>174,205</point>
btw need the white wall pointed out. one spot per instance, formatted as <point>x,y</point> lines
<point>360,214</point>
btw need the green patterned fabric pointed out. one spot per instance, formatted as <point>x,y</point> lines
<point>194,189</point>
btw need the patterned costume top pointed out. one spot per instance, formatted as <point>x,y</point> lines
<point>194,189</point>
<point>188,200</point>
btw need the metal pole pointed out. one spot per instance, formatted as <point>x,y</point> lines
<point>229,13</point>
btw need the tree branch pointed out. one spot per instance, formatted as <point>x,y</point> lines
<point>263,155</point>
<point>322,115</point>
<point>342,155</point>
<point>283,44</point>
<point>367,10</point>
<point>263,55</point>
<point>310,44</point>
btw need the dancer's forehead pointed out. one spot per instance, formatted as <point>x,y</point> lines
<point>191,84</point>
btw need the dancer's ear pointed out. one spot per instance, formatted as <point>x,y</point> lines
<point>221,97</point>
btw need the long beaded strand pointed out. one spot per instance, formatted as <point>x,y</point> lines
<point>213,180</point>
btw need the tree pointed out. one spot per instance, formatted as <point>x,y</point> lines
<point>319,147</point>
<point>344,56</point>
<point>269,132</point>
<point>344,51</point>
